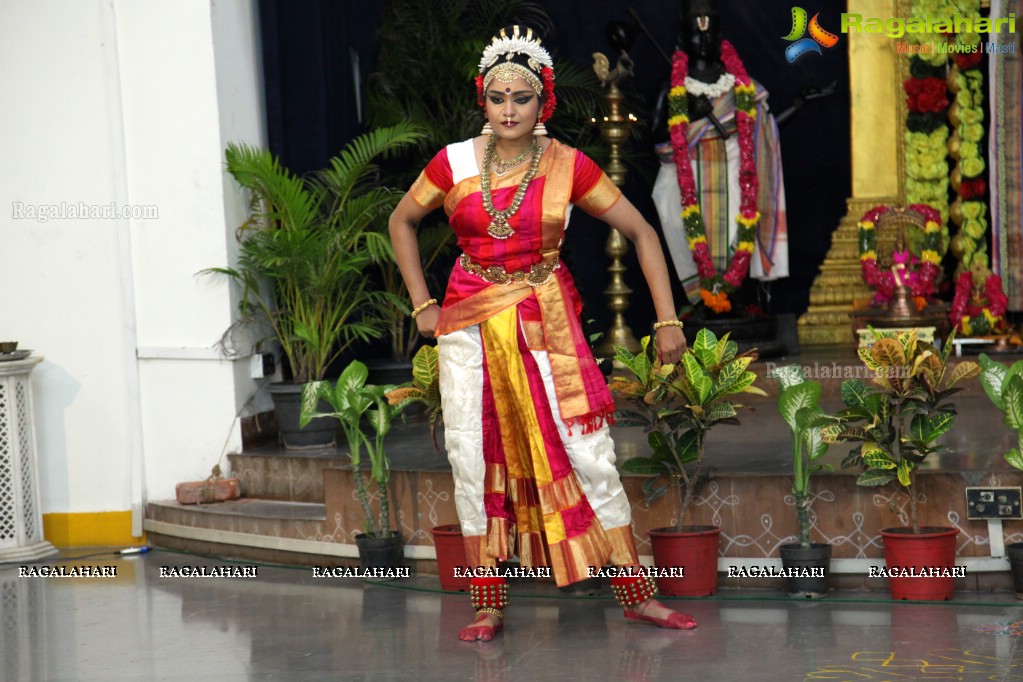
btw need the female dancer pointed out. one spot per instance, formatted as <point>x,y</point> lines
<point>526,409</point>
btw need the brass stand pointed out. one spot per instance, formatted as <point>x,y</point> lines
<point>615,129</point>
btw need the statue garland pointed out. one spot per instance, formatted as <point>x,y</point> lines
<point>715,289</point>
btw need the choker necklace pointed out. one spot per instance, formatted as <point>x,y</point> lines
<point>499,227</point>
<point>501,166</point>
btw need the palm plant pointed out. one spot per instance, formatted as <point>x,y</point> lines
<point>306,246</point>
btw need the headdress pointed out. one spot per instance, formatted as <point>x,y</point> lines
<point>515,52</point>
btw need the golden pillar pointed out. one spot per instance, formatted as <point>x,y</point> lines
<point>877,139</point>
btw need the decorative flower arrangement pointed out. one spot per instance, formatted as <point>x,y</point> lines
<point>966,82</point>
<point>917,272</point>
<point>715,289</point>
<point>926,123</point>
<point>980,314</point>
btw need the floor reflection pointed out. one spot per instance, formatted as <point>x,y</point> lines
<point>285,624</point>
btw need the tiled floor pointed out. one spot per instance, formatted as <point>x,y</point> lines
<point>286,624</point>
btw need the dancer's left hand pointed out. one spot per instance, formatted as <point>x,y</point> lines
<point>671,344</point>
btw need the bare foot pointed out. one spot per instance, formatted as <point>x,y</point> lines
<point>653,611</point>
<point>482,629</point>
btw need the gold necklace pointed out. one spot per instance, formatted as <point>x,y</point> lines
<point>502,166</point>
<point>499,227</point>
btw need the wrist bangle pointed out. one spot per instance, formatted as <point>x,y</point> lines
<point>668,323</point>
<point>415,313</point>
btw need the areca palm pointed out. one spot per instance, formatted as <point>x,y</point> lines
<point>306,246</point>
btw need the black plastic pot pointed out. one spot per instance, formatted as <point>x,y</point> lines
<point>380,552</point>
<point>817,557</point>
<point>1015,553</point>
<point>319,433</point>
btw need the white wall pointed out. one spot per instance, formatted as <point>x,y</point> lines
<point>131,102</point>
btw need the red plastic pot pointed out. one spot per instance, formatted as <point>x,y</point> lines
<point>695,550</point>
<point>450,547</point>
<point>931,548</point>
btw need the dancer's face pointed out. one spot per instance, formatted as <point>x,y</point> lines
<point>512,109</point>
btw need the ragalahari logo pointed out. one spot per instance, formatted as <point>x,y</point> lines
<point>818,36</point>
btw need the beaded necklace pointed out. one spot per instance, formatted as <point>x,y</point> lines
<point>714,288</point>
<point>499,227</point>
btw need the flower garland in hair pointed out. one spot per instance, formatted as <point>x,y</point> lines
<point>715,289</point>
<point>921,273</point>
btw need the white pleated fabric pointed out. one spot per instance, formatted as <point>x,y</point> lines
<point>592,455</point>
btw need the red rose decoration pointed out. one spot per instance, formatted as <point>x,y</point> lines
<point>968,60</point>
<point>926,95</point>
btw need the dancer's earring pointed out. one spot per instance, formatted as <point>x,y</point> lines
<point>487,129</point>
<point>539,129</point>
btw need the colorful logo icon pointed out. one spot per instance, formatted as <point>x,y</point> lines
<point>818,36</point>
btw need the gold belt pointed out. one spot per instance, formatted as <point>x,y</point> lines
<point>537,275</point>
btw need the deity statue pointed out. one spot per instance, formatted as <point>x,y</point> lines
<point>719,192</point>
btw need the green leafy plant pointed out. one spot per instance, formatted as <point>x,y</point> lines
<point>899,419</point>
<point>1004,386</point>
<point>358,405</point>
<point>679,404</point>
<point>799,405</point>
<point>424,388</point>
<point>305,248</point>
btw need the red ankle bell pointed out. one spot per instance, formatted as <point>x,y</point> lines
<point>630,591</point>
<point>488,593</point>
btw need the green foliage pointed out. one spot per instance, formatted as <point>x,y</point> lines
<point>424,388</point>
<point>899,418</point>
<point>305,248</point>
<point>799,405</point>
<point>1004,386</point>
<point>679,404</point>
<point>358,405</point>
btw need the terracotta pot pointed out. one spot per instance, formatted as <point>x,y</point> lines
<point>932,548</point>
<point>450,547</point>
<point>695,550</point>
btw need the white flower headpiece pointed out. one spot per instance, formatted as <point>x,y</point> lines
<point>504,44</point>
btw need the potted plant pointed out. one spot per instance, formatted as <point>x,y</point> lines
<point>1004,386</point>
<point>365,417</point>
<point>302,261</point>
<point>898,422</point>
<point>799,405</point>
<point>679,404</point>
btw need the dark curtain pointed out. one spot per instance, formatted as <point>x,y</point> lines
<point>308,47</point>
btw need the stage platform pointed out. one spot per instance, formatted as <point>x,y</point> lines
<point>300,507</point>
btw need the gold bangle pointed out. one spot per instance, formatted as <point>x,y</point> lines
<point>415,313</point>
<point>668,323</point>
